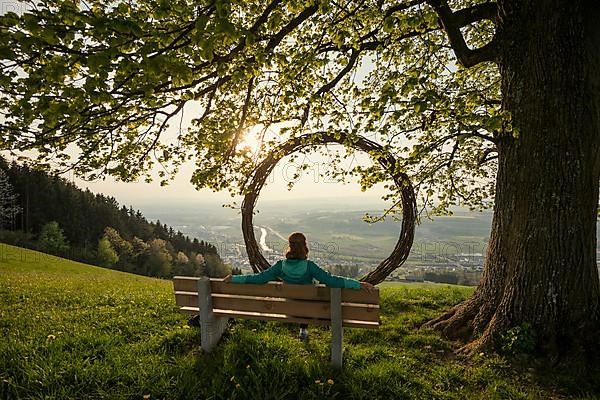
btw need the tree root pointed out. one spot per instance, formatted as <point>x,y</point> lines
<point>456,324</point>
<point>472,322</point>
<point>484,343</point>
<point>480,323</point>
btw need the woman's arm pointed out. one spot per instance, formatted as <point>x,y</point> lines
<point>262,277</point>
<point>332,280</point>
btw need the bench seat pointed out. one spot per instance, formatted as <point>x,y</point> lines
<point>217,301</point>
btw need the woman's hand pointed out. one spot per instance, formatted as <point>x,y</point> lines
<point>227,279</point>
<point>367,286</point>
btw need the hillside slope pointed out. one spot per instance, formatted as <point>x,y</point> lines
<point>75,331</point>
<point>60,218</point>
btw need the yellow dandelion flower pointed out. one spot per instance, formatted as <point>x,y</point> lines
<point>330,381</point>
<point>51,337</point>
<point>317,381</point>
<point>146,396</point>
<point>237,385</point>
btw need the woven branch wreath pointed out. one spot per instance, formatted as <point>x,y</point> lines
<point>387,161</point>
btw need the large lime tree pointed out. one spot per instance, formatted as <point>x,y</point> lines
<point>481,103</point>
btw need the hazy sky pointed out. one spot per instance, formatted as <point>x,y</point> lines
<point>310,185</point>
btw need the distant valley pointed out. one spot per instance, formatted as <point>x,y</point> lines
<point>337,233</point>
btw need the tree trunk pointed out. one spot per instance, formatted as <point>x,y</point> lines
<point>541,259</point>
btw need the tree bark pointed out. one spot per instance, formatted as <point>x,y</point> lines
<point>541,260</point>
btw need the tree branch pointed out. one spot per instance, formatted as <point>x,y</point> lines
<point>240,129</point>
<point>476,13</point>
<point>401,7</point>
<point>453,21</point>
<point>293,24</point>
<point>331,84</point>
<point>160,131</point>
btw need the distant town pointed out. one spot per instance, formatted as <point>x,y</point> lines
<point>446,249</point>
<point>444,266</point>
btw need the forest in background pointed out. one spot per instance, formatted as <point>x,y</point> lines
<point>48,213</point>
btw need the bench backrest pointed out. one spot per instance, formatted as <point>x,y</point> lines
<point>276,301</point>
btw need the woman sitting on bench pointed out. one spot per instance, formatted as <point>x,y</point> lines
<point>296,269</point>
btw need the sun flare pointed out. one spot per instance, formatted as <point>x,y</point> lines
<point>252,139</point>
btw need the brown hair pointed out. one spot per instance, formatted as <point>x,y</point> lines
<point>297,248</point>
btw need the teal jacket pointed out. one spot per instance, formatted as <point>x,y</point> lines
<point>298,272</point>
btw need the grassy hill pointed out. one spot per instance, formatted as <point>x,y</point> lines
<point>70,330</point>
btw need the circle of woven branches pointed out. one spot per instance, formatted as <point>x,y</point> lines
<point>387,161</point>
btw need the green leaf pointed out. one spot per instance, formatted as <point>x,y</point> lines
<point>200,24</point>
<point>389,24</point>
<point>9,19</point>
<point>420,106</point>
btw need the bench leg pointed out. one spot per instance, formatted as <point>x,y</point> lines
<point>337,330</point>
<point>211,327</point>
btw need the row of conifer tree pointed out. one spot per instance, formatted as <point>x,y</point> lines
<point>49,213</point>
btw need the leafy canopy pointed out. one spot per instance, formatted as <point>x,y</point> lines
<point>94,85</point>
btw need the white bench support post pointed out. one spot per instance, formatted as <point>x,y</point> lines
<point>337,330</point>
<point>211,327</point>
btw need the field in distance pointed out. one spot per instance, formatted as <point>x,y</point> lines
<point>336,234</point>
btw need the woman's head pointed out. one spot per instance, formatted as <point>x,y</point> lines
<point>297,248</point>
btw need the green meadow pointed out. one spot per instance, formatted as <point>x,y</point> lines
<point>74,331</point>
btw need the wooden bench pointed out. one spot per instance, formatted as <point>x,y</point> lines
<point>217,301</point>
